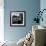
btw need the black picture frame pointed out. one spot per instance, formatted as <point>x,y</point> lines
<point>17,18</point>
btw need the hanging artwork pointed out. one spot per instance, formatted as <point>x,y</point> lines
<point>17,18</point>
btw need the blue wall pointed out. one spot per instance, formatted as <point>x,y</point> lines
<point>30,6</point>
<point>43,6</point>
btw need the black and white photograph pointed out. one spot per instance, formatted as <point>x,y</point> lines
<point>17,18</point>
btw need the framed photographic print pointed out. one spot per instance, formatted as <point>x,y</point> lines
<point>17,18</point>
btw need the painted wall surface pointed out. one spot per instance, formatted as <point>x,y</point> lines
<point>43,6</point>
<point>30,6</point>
